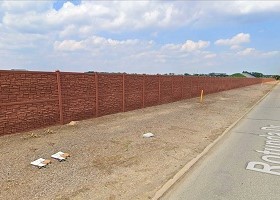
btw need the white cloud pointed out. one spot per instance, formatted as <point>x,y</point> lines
<point>18,41</point>
<point>137,53</point>
<point>247,51</point>
<point>25,6</point>
<point>104,33</point>
<point>210,55</point>
<point>250,7</point>
<point>172,47</point>
<point>121,15</point>
<point>235,40</point>
<point>193,46</point>
<point>93,43</point>
<point>255,52</point>
<point>109,16</point>
<point>271,53</point>
<point>235,47</point>
<point>188,46</point>
<point>68,45</point>
<point>117,15</point>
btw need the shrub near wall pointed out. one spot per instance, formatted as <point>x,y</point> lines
<point>30,100</point>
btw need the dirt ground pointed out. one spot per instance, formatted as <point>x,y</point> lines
<point>110,159</point>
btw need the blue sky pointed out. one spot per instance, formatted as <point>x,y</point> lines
<point>141,36</point>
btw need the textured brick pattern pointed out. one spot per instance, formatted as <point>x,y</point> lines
<point>78,96</point>
<point>195,86</point>
<point>177,87</point>
<point>133,92</point>
<point>22,117</point>
<point>22,86</point>
<point>151,90</point>
<point>110,94</point>
<point>165,89</point>
<point>31,100</point>
<point>187,87</point>
<point>28,100</point>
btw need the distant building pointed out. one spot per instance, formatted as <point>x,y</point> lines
<point>248,75</point>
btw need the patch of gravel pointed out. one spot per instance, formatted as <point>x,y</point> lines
<point>109,157</point>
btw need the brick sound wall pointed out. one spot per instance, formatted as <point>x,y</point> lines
<point>133,92</point>
<point>30,100</point>
<point>177,88</point>
<point>110,94</point>
<point>151,90</point>
<point>27,101</point>
<point>165,89</point>
<point>78,93</point>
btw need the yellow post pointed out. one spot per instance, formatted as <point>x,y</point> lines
<point>201,96</point>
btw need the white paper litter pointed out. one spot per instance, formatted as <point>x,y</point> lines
<point>72,123</point>
<point>60,156</point>
<point>39,162</point>
<point>148,135</point>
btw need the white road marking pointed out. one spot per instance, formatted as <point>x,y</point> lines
<point>271,154</point>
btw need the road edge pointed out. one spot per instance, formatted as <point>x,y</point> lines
<point>167,186</point>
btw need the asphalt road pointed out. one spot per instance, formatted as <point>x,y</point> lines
<point>244,165</point>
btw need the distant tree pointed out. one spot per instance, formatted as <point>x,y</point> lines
<point>186,74</point>
<point>238,75</point>
<point>218,74</point>
<point>257,74</point>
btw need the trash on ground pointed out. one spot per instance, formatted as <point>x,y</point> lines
<point>41,162</point>
<point>49,131</point>
<point>60,156</point>
<point>148,135</point>
<point>31,135</point>
<point>72,123</point>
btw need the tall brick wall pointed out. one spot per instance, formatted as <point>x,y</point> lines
<point>187,87</point>
<point>165,89</point>
<point>151,90</point>
<point>30,100</point>
<point>133,92</point>
<point>110,94</point>
<point>177,88</point>
<point>78,96</point>
<point>27,100</point>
